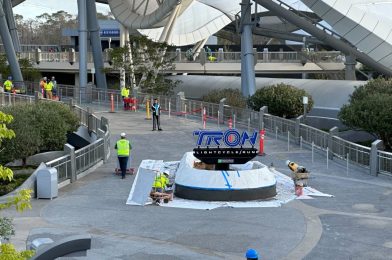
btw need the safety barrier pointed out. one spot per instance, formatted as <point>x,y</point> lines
<point>218,115</point>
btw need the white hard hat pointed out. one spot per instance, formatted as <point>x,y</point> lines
<point>123,135</point>
<point>287,162</point>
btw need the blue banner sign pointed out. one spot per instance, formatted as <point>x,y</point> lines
<point>110,33</point>
<point>230,138</point>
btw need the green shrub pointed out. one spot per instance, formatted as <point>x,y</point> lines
<point>38,127</point>
<point>233,97</point>
<point>282,100</point>
<point>28,140</point>
<point>370,109</point>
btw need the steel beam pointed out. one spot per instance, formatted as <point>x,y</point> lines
<point>9,47</point>
<point>11,24</point>
<point>248,81</point>
<point>82,17</point>
<point>310,28</point>
<point>96,45</point>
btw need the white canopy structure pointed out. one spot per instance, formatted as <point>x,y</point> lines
<point>361,23</point>
<point>195,21</point>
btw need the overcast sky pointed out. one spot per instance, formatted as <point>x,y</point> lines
<point>33,8</point>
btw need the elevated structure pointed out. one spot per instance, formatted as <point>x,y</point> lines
<point>355,27</point>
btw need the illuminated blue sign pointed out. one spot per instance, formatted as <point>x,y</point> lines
<point>230,138</point>
<point>110,33</point>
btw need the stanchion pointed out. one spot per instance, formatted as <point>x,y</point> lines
<point>169,108</point>
<point>204,118</point>
<point>111,103</point>
<point>148,110</point>
<point>261,142</point>
<point>230,122</point>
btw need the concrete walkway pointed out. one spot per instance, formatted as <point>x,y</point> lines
<point>355,224</point>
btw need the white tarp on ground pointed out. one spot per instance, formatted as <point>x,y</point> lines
<point>284,188</point>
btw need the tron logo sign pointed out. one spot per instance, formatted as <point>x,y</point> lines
<point>230,138</point>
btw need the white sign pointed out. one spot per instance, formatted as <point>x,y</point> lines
<point>92,70</point>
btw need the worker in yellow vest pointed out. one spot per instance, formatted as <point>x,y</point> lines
<point>42,84</point>
<point>123,147</point>
<point>160,182</point>
<point>8,86</point>
<point>124,95</point>
<point>48,90</point>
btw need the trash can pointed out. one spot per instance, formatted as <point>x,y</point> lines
<point>47,183</point>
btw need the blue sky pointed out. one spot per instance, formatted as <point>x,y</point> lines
<point>33,8</point>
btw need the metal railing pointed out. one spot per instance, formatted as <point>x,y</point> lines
<point>384,162</point>
<point>85,157</point>
<point>63,167</point>
<point>89,156</point>
<point>220,115</point>
<point>355,153</point>
<point>311,135</point>
<point>212,57</point>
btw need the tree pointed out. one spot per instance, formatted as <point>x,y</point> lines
<point>370,109</point>
<point>282,100</point>
<point>233,97</point>
<point>21,201</point>
<point>144,62</point>
<point>28,71</point>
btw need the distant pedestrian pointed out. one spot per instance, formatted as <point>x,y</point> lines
<point>156,113</point>
<point>125,96</point>
<point>42,85</point>
<point>123,147</point>
<point>53,84</point>
<point>8,85</point>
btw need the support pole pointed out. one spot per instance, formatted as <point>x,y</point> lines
<point>123,36</point>
<point>11,24</point>
<point>9,47</point>
<point>248,86</point>
<point>82,16</point>
<point>167,30</point>
<point>96,45</point>
<point>350,67</point>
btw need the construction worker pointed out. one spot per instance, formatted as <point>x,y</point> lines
<point>43,84</point>
<point>53,83</point>
<point>124,95</point>
<point>161,181</point>
<point>123,147</point>
<point>48,90</point>
<point>8,86</point>
<point>156,112</point>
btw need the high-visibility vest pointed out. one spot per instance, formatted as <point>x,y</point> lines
<point>49,86</point>
<point>8,85</point>
<point>160,181</point>
<point>123,147</point>
<point>124,92</point>
<point>43,84</point>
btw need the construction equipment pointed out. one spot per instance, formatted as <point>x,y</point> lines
<point>299,175</point>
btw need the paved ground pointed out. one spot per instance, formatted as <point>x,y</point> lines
<point>355,224</point>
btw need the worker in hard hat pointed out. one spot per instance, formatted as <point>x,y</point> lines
<point>8,85</point>
<point>42,84</point>
<point>159,188</point>
<point>123,147</point>
<point>160,182</point>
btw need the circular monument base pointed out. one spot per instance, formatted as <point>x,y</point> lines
<point>225,195</point>
<point>251,181</point>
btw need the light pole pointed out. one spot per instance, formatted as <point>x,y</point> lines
<point>305,103</point>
